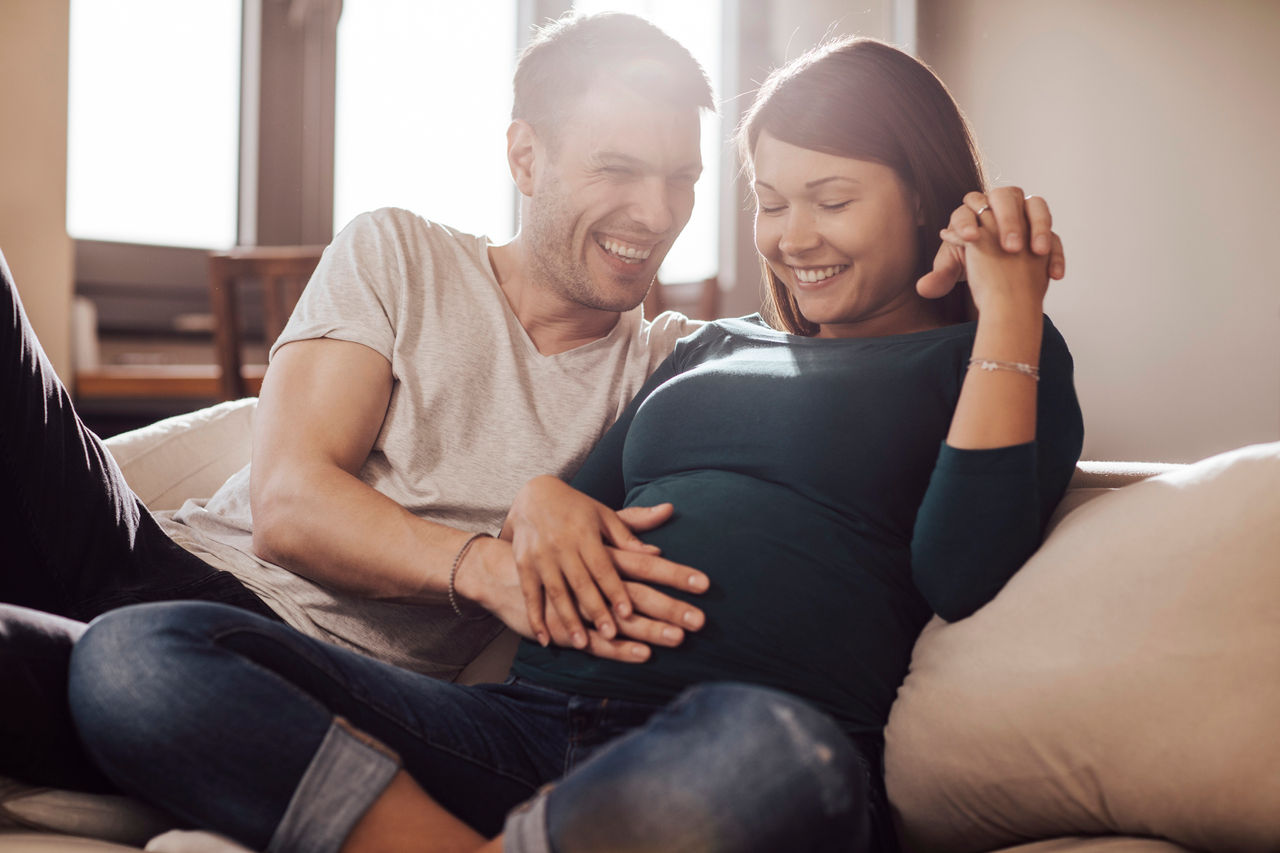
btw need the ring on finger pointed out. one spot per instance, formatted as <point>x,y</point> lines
<point>982,210</point>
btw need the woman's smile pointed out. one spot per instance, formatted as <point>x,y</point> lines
<point>817,275</point>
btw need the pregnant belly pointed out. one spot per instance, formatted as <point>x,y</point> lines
<point>798,595</point>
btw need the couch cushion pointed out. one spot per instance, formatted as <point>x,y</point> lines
<point>103,816</point>
<point>187,456</point>
<point>1101,844</point>
<point>19,841</point>
<point>1125,681</point>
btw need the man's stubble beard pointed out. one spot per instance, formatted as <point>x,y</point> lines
<point>553,263</point>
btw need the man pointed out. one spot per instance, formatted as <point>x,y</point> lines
<point>425,376</point>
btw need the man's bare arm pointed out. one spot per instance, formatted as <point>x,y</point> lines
<point>321,407</point>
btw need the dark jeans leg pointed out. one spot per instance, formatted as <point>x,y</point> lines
<point>74,541</point>
<point>282,742</point>
<point>247,727</point>
<point>37,738</point>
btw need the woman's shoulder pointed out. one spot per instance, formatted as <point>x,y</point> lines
<point>751,326</point>
<point>721,337</point>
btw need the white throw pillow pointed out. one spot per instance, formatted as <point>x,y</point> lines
<point>1127,680</point>
<point>187,456</point>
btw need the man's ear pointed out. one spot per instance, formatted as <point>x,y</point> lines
<point>522,153</point>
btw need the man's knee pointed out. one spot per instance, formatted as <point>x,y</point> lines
<point>129,665</point>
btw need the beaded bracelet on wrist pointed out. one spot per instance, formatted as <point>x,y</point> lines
<point>453,577</point>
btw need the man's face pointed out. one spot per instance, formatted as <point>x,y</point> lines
<point>610,195</point>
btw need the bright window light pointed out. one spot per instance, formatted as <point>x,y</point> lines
<point>423,103</point>
<point>154,121</point>
<point>697,26</point>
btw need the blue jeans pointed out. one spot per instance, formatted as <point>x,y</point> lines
<point>74,541</point>
<point>245,726</point>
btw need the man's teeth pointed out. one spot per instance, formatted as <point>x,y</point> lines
<point>815,276</point>
<point>622,250</point>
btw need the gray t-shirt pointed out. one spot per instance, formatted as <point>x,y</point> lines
<point>475,412</point>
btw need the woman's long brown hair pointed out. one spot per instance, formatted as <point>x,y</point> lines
<point>866,100</point>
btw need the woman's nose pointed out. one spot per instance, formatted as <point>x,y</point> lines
<point>799,233</point>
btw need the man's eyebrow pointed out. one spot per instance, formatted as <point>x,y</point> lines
<point>631,160</point>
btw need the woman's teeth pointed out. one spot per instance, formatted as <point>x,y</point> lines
<point>622,250</point>
<point>813,276</point>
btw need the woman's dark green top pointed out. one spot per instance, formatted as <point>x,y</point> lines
<point>812,483</point>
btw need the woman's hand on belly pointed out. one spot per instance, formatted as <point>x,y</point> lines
<point>578,558</point>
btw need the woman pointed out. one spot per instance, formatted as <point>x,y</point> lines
<point>869,459</point>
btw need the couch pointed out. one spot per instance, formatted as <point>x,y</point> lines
<point>1120,695</point>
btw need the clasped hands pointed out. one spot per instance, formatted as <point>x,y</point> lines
<point>990,234</point>
<point>583,579</point>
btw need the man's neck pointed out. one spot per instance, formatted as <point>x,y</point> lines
<point>554,323</point>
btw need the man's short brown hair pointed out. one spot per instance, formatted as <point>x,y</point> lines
<point>568,55</point>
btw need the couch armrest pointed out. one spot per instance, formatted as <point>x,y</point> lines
<point>186,456</point>
<point>1096,474</point>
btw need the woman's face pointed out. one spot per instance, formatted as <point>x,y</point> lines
<point>841,234</point>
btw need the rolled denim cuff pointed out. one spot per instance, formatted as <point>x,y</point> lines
<point>347,774</point>
<point>526,827</point>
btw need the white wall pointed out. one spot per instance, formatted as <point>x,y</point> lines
<point>33,166</point>
<point>1153,129</point>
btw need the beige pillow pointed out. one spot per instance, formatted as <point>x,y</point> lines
<point>1127,680</point>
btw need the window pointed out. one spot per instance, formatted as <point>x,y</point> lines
<point>423,103</point>
<point>154,121</point>
<point>697,26</point>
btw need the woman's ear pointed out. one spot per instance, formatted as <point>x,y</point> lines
<point>522,145</point>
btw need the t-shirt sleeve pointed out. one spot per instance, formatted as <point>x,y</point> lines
<point>353,295</point>
<point>601,474</point>
<point>985,511</point>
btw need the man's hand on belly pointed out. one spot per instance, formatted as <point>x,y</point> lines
<point>575,558</point>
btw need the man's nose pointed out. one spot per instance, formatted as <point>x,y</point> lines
<point>651,205</point>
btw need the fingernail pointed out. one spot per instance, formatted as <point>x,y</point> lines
<point>697,582</point>
<point>607,629</point>
<point>692,619</point>
<point>543,640</point>
<point>579,639</point>
<point>1042,244</point>
<point>639,652</point>
<point>623,609</point>
<point>672,633</point>
<point>1012,243</point>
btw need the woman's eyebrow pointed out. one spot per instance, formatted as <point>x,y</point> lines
<point>827,180</point>
<point>816,182</point>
